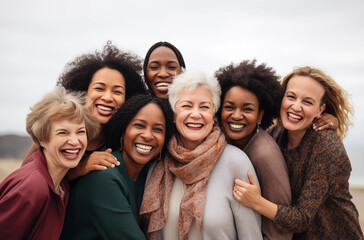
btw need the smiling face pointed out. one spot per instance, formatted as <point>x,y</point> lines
<point>144,137</point>
<point>240,115</point>
<point>194,116</point>
<point>107,93</point>
<point>301,103</point>
<point>67,144</point>
<point>162,66</point>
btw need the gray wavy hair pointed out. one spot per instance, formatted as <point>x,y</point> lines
<point>191,79</point>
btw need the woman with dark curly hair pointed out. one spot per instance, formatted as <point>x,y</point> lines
<point>109,78</point>
<point>105,204</point>
<point>249,98</point>
<point>162,62</point>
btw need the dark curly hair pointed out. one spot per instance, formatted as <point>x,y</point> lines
<point>78,73</point>
<point>116,126</point>
<point>258,79</point>
<point>157,45</point>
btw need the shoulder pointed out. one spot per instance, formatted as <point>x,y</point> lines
<point>325,141</point>
<point>100,178</point>
<point>233,158</point>
<point>232,153</point>
<point>25,184</point>
<point>262,145</point>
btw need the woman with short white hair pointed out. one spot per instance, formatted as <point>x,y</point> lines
<point>189,194</point>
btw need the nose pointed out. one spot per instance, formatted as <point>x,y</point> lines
<point>163,73</point>
<point>195,113</point>
<point>296,106</point>
<point>237,115</point>
<point>73,139</point>
<point>147,134</point>
<point>107,96</point>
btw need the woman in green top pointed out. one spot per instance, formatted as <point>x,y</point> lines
<point>105,204</point>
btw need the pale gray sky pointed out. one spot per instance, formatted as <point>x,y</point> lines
<point>37,39</point>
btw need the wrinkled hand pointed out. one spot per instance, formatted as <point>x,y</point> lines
<point>98,160</point>
<point>326,121</point>
<point>246,193</point>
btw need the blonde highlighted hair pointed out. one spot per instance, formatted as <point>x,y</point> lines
<point>60,104</point>
<point>335,97</point>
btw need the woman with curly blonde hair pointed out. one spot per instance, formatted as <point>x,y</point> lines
<point>318,165</point>
<point>336,98</point>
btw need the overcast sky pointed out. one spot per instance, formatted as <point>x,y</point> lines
<point>37,39</point>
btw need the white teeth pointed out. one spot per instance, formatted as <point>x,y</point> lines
<point>294,116</point>
<point>143,148</point>
<point>236,126</point>
<point>162,84</point>
<point>104,108</point>
<point>71,151</point>
<point>194,125</point>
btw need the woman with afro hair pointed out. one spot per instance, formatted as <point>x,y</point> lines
<point>249,103</point>
<point>105,204</point>
<point>109,77</point>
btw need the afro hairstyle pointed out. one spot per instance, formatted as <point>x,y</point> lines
<point>261,80</point>
<point>78,73</point>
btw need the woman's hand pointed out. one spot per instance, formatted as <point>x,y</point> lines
<point>98,160</point>
<point>326,121</point>
<point>247,194</point>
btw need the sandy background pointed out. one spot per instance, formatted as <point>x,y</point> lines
<point>9,165</point>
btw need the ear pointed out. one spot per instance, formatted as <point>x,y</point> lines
<point>322,109</point>
<point>121,144</point>
<point>42,144</point>
<point>260,116</point>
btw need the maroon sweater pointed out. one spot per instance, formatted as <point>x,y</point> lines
<point>29,206</point>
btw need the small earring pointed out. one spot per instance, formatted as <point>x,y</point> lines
<point>258,126</point>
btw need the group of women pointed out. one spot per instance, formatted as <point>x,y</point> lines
<point>183,155</point>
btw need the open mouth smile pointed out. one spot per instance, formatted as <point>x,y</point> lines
<point>294,116</point>
<point>71,154</point>
<point>104,110</point>
<point>143,148</point>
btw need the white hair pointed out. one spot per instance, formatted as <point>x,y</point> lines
<point>191,79</point>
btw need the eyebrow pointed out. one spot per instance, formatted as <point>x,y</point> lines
<point>63,129</point>
<point>103,84</point>
<point>169,61</point>
<point>304,98</point>
<point>190,102</point>
<point>144,121</point>
<point>245,104</point>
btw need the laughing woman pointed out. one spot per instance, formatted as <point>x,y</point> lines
<point>162,62</point>
<point>105,204</point>
<point>33,199</point>
<point>318,165</point>
<point>109,77</point>
<point>189,194</point>
<point>250,97</point>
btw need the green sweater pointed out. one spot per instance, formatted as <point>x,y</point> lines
<point>105,205</point>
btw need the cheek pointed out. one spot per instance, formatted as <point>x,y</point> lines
<point>150,75</point>
<point>209,117</point>
<point>224,116</point>
<point>120,101</point>
<point>83,140</point>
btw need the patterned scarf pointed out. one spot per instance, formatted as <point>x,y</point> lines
<point>193,167</point>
